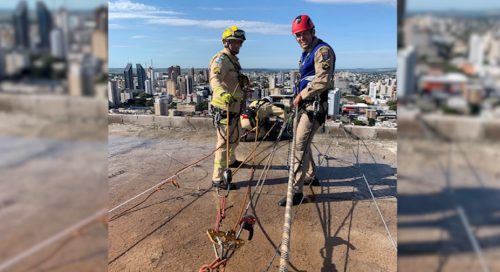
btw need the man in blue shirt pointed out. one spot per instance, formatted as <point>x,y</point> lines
<point>317,66</point>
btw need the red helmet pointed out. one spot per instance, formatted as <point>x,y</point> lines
<point>302,23</point>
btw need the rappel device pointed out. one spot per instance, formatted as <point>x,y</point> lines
<point>227,177</point>
<point>316,107</point>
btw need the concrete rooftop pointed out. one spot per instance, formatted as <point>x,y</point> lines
<point>337,229</point>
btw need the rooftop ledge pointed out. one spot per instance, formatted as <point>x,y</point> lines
<point>204,123</point>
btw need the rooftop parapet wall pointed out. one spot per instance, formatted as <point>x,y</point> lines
<point>200,123</point>
<point>54,106</point>
<point>457,128</point>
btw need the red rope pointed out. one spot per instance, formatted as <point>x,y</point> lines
<point>214,266</point>
<point>220,213</point>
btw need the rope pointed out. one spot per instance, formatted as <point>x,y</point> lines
<point>472,238</point>
<point>170,218</point>
<point>167,180</point>
<point>214,266</point>
<point>56,237</point>
<point>371,193</point>
<point>227,138</point>
<point>428,129</point>
<point>285,240</point>
<point>220,213</point>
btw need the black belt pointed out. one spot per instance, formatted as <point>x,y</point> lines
<point>223,113</point>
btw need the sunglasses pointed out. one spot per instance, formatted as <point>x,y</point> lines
<point>239,33</point>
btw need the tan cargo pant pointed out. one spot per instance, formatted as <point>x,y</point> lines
<point>220,154</point>
<point>304,136</point>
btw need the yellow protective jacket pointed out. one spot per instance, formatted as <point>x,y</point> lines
<point>224,77</point>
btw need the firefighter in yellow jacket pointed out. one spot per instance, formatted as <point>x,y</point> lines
<point>227,84</point>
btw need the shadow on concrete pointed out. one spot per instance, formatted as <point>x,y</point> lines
<point>332,240</point>
<point>481,206</point>
<point>349,176</point>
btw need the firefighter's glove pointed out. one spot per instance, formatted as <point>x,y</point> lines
<point>228,98</point>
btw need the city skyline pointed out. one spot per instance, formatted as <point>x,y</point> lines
<point>52,4</point>
<point>363,35</point>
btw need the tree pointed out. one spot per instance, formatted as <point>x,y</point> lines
<point>393,105</point>
<point>371,122</point>
<point>358,123</point>
<point>204,105</point>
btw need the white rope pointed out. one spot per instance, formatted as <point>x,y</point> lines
<point>56,237</point>
<point>472,238</point>
<point>373,197</point>
<point>287,225</point>
<point>380,213</point>
<point>151,188</point>
<point>431,132</point>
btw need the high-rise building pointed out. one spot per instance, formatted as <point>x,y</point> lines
<point>293,77</point>
<point>494,53</point>
<point>407,60</point>
<point>151,73</point>
<point>21,25</point>
<point>334,102</point>
<point>147,85</point>
<point>476,51</point>
<point>272,82</point>
<point>280,79</point>
<point>171,87</point>
<point>113,94</point>
<point>205,74</point>
<point>16,61</point>
<point>141,77</point>
<point>100,45</point>
<point>57,43</point>
<point>161,106</point>
<point>181,82</point>
<point>373,91</point>
<point>128,74</point>
<point>81,72</point>
<point>191,72</point>
<point>44,19</point>
<point>151,76</point>
<point>101,19</point>
<point>61,21</point>
<point>173,72</point>
<point>401,15</point>
<point>189,84</point>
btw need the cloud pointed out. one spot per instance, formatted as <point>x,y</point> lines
<point>197,39</point>
<point>390,2</point>
<point>139,37</point>
<point>248,26</point>
<point>125,9</point>
<point>217,8</point>
<point>116,26</point>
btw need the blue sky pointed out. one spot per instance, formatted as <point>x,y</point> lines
<point>71,4</point>
<point>187,33</point>
<point>443,5</point>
